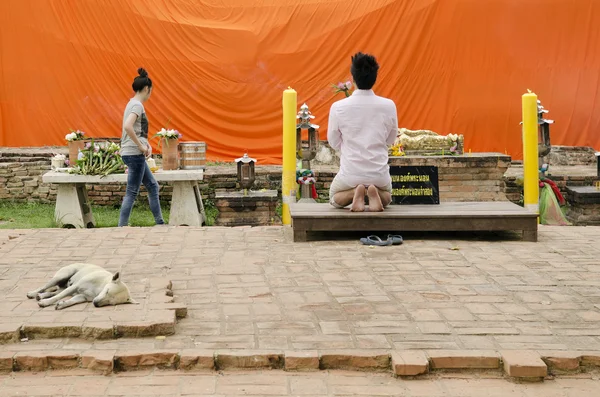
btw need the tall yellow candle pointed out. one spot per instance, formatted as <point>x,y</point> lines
<point>288,175</point>
<point>531,187</point>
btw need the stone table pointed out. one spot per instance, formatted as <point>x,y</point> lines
<point>73,208</point>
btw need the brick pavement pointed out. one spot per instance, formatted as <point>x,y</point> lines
<point>155,314</point>
<point>275,383</point>
<point>252,288</point>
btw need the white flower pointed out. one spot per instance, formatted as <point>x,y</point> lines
<point>168,134</point>
<point>71,136</point>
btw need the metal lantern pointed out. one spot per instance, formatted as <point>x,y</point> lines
<point>245,171</point>
<point>306,150</point>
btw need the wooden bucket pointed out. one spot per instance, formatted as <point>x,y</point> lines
<point>192,155</point>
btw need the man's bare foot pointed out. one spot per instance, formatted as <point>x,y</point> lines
<point>358,202</point>
<point>375,204</point>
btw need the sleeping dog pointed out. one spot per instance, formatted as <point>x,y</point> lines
<point>83,282</point>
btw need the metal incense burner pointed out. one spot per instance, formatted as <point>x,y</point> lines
<point>245,172</point>
<point>306,150</point>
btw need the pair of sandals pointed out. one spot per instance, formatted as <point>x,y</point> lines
<point>392,239</point>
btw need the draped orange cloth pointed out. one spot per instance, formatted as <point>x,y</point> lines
<point>219,67</point>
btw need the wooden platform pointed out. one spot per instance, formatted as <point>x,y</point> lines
<point>455,216</point>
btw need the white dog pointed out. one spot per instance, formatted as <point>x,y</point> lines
<point>84,283</point>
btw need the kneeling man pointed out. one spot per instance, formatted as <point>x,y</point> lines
<point>362,127</point>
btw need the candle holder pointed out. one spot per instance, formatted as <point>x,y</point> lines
<point>245,172</point>
<point>306,150</point>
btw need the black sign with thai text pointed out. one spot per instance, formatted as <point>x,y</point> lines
<point>415,185</point>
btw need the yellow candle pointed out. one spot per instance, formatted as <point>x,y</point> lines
<point>288,176</point>
<point>531,187</point>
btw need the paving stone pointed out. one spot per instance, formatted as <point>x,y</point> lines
<point>157,322</point>
<point>9,332</point>
<point>463,359</point>
<point>33,330</point>
<point>62,360</point>
<point>590,359</point>
<point>31,361</point>
<point>564,361</point>
<point>361,360</point>
<point>98,330</point>
<point>197,359</point>
<point>6,361</point>
<point>523,364</point>
<point>243,359</point>
<point>301,360</point>
<point>409,363</point>
<point>135,360</point>
<point>98,360</point>
<point>180,308</point>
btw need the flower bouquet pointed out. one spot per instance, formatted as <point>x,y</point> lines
<point>99,159</point>
<point>453,138</point>
<point>169,141</point>
<point>168,135</point>
<point>343,87</point>
<point>75,136</point>
<point>396,150</point>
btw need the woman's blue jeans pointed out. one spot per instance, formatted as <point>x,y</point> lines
<point>138,173</point>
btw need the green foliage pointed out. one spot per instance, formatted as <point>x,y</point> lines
<point>211,211</point>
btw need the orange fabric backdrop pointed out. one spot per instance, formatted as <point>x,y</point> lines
<point>219,66</point>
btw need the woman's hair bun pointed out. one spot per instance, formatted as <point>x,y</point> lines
<point>142,72</point>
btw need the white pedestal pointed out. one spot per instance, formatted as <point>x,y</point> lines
<point>187,208</point>
<point>72,207</point>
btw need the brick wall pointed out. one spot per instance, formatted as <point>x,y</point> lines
<point>254,209</point>
<point>571,155</point>
<point>476,177</point>
<point>514,189</point>
<point>465,178</point>
<point>20,177</point>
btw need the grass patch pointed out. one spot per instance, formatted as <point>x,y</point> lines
<point>31,215</point>
<point>26,215</point>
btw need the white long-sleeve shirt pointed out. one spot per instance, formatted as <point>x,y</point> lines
<point>362,127</point>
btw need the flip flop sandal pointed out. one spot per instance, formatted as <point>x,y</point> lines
<point>396,239</point>
<point>375,240</point>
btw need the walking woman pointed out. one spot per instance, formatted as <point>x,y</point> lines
<point>135,149</point>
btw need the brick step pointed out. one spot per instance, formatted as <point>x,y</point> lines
<point>516,364</point>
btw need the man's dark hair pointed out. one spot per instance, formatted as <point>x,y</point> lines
<point>364,70</point>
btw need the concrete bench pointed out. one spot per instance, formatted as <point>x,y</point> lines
<point>73,208</point>
<point>451,216</point>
